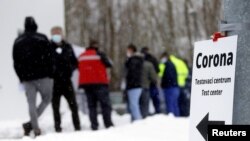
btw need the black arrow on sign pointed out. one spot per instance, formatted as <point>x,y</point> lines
<point>203,125</point>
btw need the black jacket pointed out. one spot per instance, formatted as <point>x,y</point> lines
<point>32,56</point>
<point>134,68</point>
<point>169,78</point>
<point>150,58</point>
<point>65,61</point>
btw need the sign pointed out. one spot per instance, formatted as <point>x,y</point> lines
<point>212,85</point>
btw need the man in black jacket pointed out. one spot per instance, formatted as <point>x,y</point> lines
<point>33,64</point>
<point>134,70</point>
<point>65,64</point>
<point>170,87</point>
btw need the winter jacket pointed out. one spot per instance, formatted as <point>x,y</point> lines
<point>65,61</point>
<point>32,54</point>
<point>92,68</point>
<point>134,69</point>
<point>150,58</point>
<point>169,78</point>
<point>149,75</point>
<point>182,70</point>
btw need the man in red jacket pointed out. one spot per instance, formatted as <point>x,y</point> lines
<point>94,80</point>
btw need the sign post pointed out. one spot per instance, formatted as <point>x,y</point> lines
<point>212,85</point>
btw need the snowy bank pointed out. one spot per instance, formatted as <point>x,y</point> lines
<point>157,128</point>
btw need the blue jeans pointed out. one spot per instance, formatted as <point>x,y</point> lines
<point>134,103</point>
<point>171,98</point>
<point>154,94</point>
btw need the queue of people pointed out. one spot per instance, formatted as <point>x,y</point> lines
<point>45,66</point>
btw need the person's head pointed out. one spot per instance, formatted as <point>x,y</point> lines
<point>30,24</point>
<point>164,57</point>
<point>145,50</point>
<point>57,34</point>
<point>94,44</point>
<point>131,50</point>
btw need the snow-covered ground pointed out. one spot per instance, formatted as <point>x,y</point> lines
<point>157,128</point>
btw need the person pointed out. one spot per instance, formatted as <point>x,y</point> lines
<point>184,100</point>
<point>65,64</point>
<point>33,63</point>
<point>170,87</point>
<point>93,78</point>
<point>139,74</point>
<point>134,69</point>
<point>149,78</point>
<point>182,75</point>
<point>153,90</point>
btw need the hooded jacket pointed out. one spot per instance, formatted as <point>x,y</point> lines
<point>32,54</point>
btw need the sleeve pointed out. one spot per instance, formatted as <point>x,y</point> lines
<point>106,61</point>
<point>50,56</point>
<point>73,59</point>
<point>16,54</point>
<point>152,74</point>
<point>156,64</point>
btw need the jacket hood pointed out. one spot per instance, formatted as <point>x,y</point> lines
<point>30,24</point>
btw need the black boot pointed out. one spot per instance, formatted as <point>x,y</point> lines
<point>78,128</point>
<point>58,129</point>
<point>37,132</point>
<point>27,127</point>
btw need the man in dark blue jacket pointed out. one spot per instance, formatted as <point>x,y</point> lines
<point>170,87</point>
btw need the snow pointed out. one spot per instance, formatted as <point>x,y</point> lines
<point>157,128</point>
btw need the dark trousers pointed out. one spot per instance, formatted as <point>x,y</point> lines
<point>64,88</point>
<point>95,94</point>
<point>144,103</point>
<point>171,98</point>
<point>154,94</point>
<point>184,102</point>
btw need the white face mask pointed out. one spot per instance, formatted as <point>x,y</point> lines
<point>164,60</point>
<point>57,38</point>
<point>129,54</point>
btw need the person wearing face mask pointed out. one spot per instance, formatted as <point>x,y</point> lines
<point>133,78</point>
<point>169,85</point>
<point>139,73</point>
<point>65,63</point>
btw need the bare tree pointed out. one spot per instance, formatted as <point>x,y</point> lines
<point>172,25</point>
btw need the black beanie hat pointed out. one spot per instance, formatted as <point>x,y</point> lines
<point>30,24</point>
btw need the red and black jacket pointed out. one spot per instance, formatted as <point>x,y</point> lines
<point>92,68</point>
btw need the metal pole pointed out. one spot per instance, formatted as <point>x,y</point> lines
<point>238,11</point>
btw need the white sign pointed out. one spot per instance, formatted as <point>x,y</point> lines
<point>212,85</point>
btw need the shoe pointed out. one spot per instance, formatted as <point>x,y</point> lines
<point>27,127</point>
<point>110,126</point>
<point>37,132</point>
<point>77,128</point>
<point>58,129</point>
<point>94,128</point>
